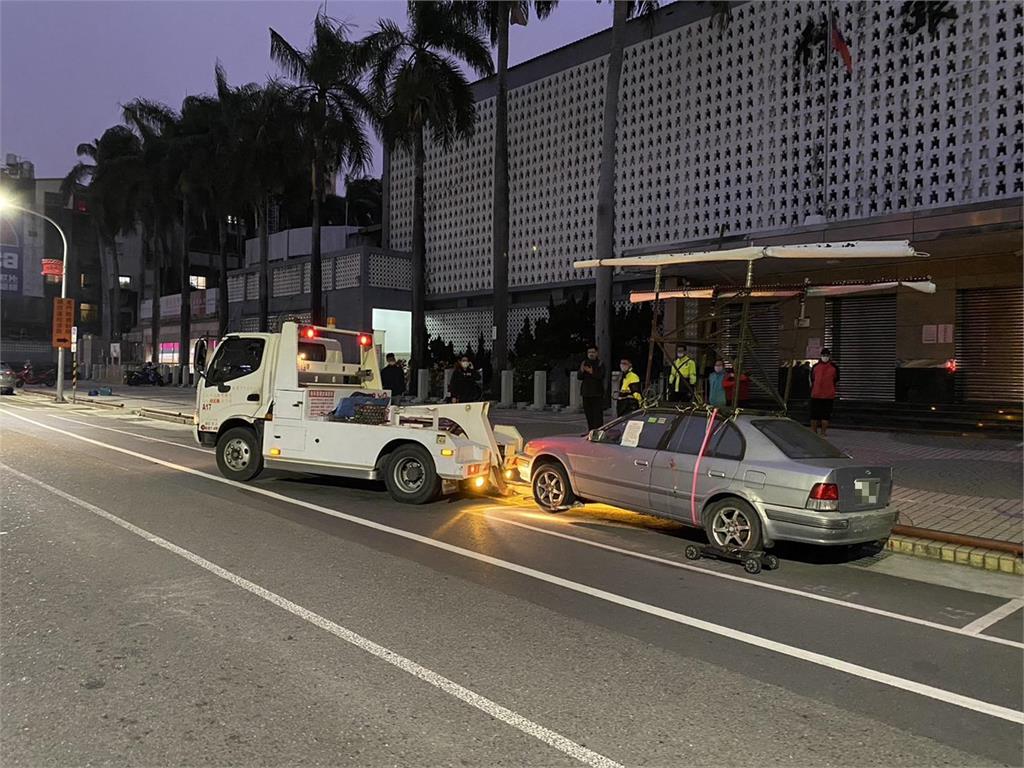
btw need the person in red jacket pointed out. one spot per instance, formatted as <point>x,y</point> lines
<point>824,378</point>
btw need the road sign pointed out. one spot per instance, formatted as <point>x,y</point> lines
<point>63,322</point>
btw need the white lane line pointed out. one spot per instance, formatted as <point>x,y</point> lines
<point>136,435</point>
<point>749,582</point>
<point>764,643</point>
<point>485,705</point>
<point>964,631</point>
<point>984,622</point>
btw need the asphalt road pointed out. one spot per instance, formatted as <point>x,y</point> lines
<point>153,613</point>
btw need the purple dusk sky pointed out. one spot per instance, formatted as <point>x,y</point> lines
<point>65,67</point>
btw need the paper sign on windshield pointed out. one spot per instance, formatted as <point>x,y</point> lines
<point>631,434</point>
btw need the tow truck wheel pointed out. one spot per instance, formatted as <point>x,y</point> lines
<point>551,489</point>
<point>238,454</point>
<point>411,477</point>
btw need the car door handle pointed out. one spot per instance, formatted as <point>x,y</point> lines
<point>223,388</point>
<point>640,463</point>
<point>297,405</point>
<point>253,398</point>
<point>715,473</point>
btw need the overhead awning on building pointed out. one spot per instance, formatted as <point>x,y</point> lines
<point>783,292</point>
<point>851,250</point>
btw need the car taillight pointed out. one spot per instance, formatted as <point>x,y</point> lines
<point>825,492</point>
<point>824,497</point>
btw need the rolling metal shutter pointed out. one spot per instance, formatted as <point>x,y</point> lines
<point>990,345</point>
<point>863,342</point>
<point>764,325</point>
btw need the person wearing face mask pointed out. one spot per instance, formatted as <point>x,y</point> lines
<point>463,387</point>
<point>592,378</point>
<point>629,396</point>
<point>682,377</point>
<point>716,390</point>
<point>824,378</point>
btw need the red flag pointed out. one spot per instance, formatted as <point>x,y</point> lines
<point>518,14</point>
<point>839,44</point>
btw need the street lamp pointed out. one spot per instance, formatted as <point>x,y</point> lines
<point>6,204</point>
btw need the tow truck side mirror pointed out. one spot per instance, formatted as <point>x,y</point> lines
<point>200,357</point>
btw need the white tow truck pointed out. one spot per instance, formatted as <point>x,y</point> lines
<point>309,399</point>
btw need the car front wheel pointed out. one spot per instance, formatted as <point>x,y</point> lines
<point>551,488</point>
<point>733,524</point>
<point>238,454</point>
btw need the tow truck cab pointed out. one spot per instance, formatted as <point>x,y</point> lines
<point>269,399</point>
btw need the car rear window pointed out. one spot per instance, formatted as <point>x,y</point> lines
<point>796,440</point>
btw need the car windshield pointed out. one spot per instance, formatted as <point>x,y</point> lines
<point>796,441</point>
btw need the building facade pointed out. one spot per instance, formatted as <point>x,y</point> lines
<point>726,135</point>
<point>26,303</point>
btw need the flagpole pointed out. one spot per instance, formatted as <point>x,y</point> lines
<point>828,105</point>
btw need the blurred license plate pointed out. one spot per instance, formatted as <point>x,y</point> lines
<point>867,490</point>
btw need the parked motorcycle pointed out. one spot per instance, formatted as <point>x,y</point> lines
<point>148,374</point>
<point>28,375</point>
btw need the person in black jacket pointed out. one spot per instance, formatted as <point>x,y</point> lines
<point>463,387</point>
<point>393,377</point>
<point>592,389</point>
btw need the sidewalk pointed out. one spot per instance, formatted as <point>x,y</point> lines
<point>963,485</point>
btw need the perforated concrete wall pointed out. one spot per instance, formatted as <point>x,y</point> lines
<point>723,132</point>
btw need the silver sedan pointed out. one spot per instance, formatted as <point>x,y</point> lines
<point>8,381</point>
<point>748,481</point>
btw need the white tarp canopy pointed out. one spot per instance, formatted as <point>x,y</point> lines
<point>924,286</point>
<point>854,249</point>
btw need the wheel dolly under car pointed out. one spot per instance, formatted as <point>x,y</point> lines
<point>753,560</point>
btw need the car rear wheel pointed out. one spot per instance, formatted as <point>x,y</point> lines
<point>551,488</point>
<point>411,477</point>
<point>733,523</point>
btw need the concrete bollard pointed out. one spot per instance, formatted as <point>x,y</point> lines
<point>507,389</point>
<point>422,385</point>
<point>540,390</point>
<point>575,399</point>
<point>616,383</point>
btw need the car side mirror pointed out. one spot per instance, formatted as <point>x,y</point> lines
<point>595,435</point>
<point>199,358</point>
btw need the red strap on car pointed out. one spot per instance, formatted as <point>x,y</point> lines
<point>696,466</point>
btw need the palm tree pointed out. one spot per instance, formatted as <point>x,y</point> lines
<point>265,123</point>
<point>109,177</point>
<point>333,107</point>
<point>180,144</point>
<point>495,18</point>
<point>604,244</point>
<point>415,75</point>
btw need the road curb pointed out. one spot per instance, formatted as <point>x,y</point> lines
<point>171,416</point>
<point>957,554</point>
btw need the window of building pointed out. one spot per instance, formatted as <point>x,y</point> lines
<point>88,313</point>
<point>197,281</point>
<point>125,281</point>
<point>85,281</point>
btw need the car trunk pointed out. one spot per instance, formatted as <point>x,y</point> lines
<point>861,486</point>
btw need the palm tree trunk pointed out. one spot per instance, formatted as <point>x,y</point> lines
<point>106,318</point>
<point>115,293</point>
<point>222,278</point>
<point>385,196</point>
<point>263,227</point>
<point>499,252</point>
<point>185,336</point>
<point>604,245</point>
<point>159,254</point>
<point>316,298</point>
<point>419,270</point>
